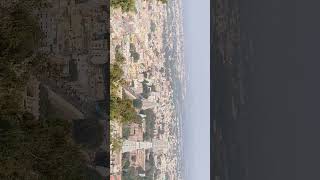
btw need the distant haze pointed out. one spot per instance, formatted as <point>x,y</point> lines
<point>197,118</point>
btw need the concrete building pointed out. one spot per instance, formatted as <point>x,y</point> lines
<point>136,132</point>
<point>146,104</point>
<point>138,158</point>
<point>129,146</point>
<point>61,64</point>
<point>115,177</point>
<point>7,3</point>
<point>115,163</point>
<point>96,83</point>
<point>159,145</point>
<point>156,145</point>
<point>138,87</point>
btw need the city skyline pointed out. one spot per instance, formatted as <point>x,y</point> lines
<point>147,71</point>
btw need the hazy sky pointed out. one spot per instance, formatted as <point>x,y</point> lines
<point>197,122</point>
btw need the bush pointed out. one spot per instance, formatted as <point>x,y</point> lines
<point>116,73</point>
<point>133,52</point>
<point>119,57</point>
<point>116,144</point>
<point>129,114</point>
<point>137,103</point>
<point>126,165</point>
<point>125,131</point>
<point>123,110</point>
<point>135,56</point>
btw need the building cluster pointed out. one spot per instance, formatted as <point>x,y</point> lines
<point>75,42</point>
<point>141,33</point>
<point>75,34</point>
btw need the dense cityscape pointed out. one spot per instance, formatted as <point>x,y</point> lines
<point>54,59</point>
<point>54,89</point>
<point>146,43</point>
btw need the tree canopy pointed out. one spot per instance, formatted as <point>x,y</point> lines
<point>20,38</point>
<point>116,73</point>
<point>123,110</point>
<point>116,144</point>
<point>119,57</point>
<point>120,109</point>
<point>125,5</point>
<point>40,150</point>
<point>163,1</point>
<point>137,103</point>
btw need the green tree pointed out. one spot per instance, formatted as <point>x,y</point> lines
<point>130,174</point>
<point>163,1</point>
<point>115,112</point>
<point>125,132</point>
<point>116,73</point>
<point>116,144</point>
<point>123,110</point>
<point>137,103</point>
<point>128,112</point>
<point>126,164</point>
<point>125,5</point>
<point>135,56</point>
<point>119,57</point>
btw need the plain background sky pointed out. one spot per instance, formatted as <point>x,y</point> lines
<point>197,56</point>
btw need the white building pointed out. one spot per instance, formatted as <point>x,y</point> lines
<point>146,104</point>
<point>159,145</point>
<point>129,146</point>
